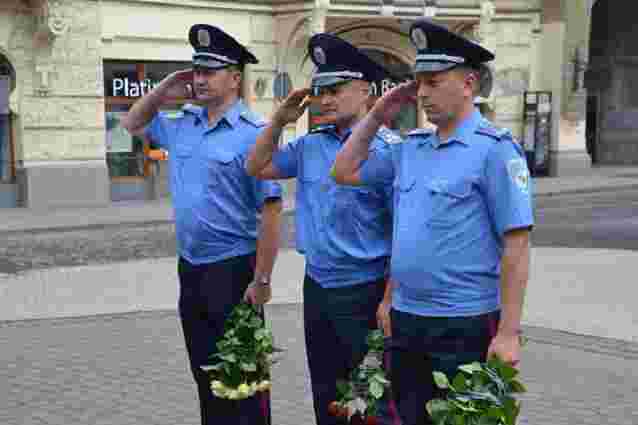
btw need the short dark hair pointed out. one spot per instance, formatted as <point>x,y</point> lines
<point>238,67</point>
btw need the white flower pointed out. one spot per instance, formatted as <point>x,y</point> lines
<point>216,385</point>
<point>264,385</point>
<point>233,395</point>
<point>244,390</point>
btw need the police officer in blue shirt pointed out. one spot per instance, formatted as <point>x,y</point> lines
<point>344,232</point>
<point>463,215</point>
<point>225,255</point>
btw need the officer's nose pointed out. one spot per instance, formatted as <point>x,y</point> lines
<point>423,91</point>
<point>326,99</point>
<point>199,78</point>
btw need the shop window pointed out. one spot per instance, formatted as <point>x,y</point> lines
<point>125,83</point>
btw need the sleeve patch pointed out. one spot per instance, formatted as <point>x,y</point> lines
<point>518,172</point>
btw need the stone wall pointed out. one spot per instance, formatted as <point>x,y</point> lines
<point>62,110</point>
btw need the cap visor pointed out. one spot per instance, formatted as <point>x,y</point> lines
<point>433,66</point>
<point>329,81</point>
<point>210,64</point>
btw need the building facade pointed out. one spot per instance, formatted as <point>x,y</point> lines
<point>69,70</point>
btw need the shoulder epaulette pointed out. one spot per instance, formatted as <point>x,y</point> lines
<point>486,128</point>
<point>174,115</point>
<point>389,136</point>
<point>253,118</point>
<point>191,109</point>
<point>322,128</point>
<point>420,132</point>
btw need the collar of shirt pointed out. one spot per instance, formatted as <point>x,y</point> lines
<point>462,134</point>
<point>332,130</point>
<point>231,116</point>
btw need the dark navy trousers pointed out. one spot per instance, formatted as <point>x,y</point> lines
<point>208,293</point>
<point>336,324</point>
<point>421,345</point>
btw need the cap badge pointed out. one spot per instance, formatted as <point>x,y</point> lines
<point>203,38</point>
<point>419,38</point>
<point>320,55</point>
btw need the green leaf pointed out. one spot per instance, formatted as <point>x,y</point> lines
<point>481,395</point>
<point>438,409</point>
<point>507,372</point>
<point>459,420</point>
<point>470,368</point>
<point>511,410</point>
<point>460,383</point>
<point>496,413</point>
<point>260,334</point>
<point>440,379</point>
<point>380,378</point>
<point>214,367</point>
<point>230,357</point>
<point>466,407</point>
<point>487,420</point>
<point>344,391</point>
<point>517,387</point>
<point>375,341</point>
<point>376,389</point>
<point>248,367</point>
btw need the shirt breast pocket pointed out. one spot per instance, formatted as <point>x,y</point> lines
<point>404,191</point>
<point>183,151</point>
<point>221,167</point>
<point>451,203</point>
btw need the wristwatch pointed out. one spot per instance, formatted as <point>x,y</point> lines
<point>263,280</point>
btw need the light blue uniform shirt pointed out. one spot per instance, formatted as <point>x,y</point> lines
<point>216,203</point>
<point>344,231</point>
<point>454,202</point>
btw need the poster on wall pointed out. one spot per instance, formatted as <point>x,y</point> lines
<point>117,138</point>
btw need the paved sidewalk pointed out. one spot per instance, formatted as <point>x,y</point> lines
<point>570,289</point>
<point>148,212</point>
<point>131,369</point>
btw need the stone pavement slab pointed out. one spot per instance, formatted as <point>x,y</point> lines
<point>584,291</point>
<point>132,369</point>
<point>149,284</point>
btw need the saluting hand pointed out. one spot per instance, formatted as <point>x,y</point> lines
<point>178,85</point>
<point>292,107</point>
<point>389,105</point>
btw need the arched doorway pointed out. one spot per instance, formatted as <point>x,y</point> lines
<point>612,85</point>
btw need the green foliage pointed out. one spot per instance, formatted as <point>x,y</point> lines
<point>245,352</point>
<point>480,394</point>
<point>367,381</point>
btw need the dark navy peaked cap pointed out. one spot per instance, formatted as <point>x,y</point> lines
<point>439,49</point>
<point>338,61</point>
<point>216,49</point>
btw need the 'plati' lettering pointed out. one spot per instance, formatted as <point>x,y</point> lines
<point>131,88</point>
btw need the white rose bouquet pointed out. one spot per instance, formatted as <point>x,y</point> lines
<point>241,367</point>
